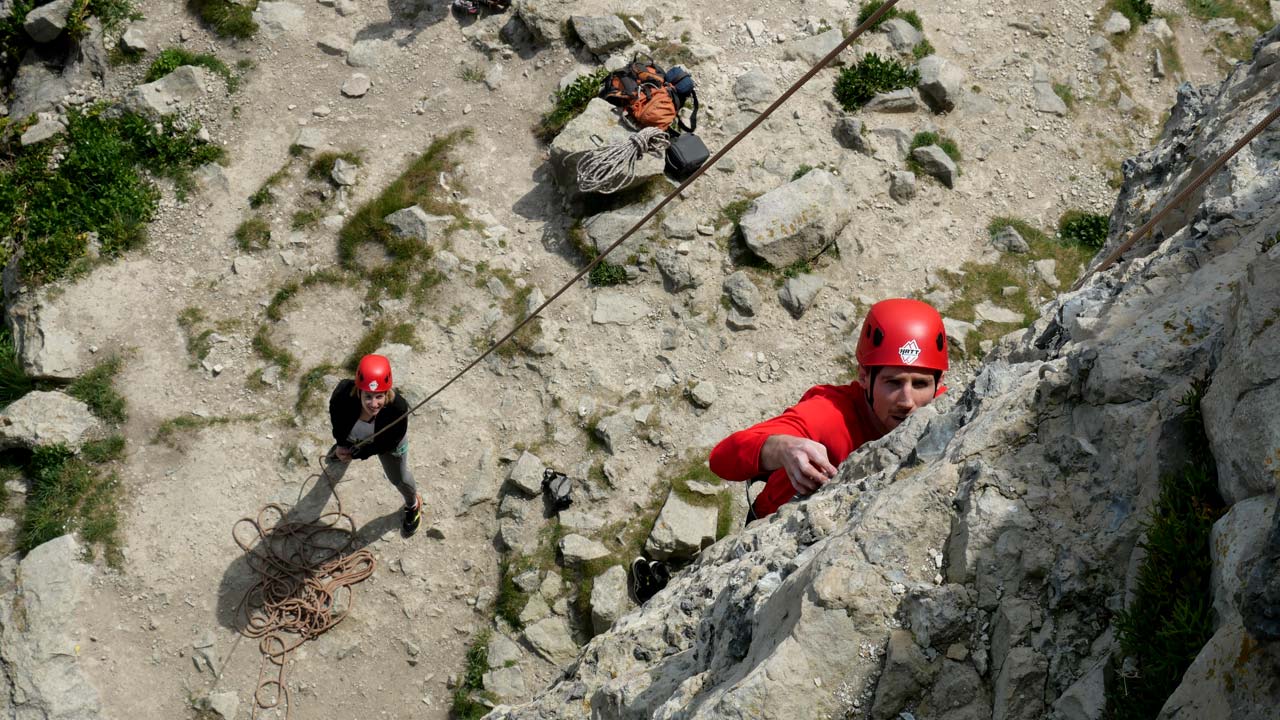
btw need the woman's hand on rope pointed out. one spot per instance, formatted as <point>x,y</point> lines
<point>343,454</point>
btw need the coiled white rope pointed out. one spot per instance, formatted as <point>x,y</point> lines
<point>610,168</point>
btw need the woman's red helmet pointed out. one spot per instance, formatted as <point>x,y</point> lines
<point>373,374</point>
<point>903,332</point>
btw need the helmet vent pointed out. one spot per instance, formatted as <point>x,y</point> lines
<point>877,337</point>
<point>941,341</point>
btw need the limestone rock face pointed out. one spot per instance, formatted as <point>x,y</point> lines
<point>941,83</point>
<point>681,530</point>
<point>797,220</point>
<point>1000,522</point>
<point>43,418</point>
<point>172,92</point>
<point>37,632</point>
<point>601,121</point>
<point>47,22</point>
<point>601,34</point>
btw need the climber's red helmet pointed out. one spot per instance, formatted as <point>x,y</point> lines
<point>902,353</point>
<point>903,332</point>
<point>373,374</point>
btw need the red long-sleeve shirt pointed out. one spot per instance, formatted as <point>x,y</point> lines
<point>837,416</point>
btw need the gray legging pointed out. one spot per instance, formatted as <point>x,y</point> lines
<point>395,464</point>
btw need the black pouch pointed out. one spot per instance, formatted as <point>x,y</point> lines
<point>558,489</point>
<point>686,154</point>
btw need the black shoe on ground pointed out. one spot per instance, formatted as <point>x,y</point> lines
<point>661,575</point>
<point>642,585</point>
<point>412,519</point>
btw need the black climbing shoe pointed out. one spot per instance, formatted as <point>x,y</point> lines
<point>642,580</point>
<point>661,575</point>
<point>412,519</point>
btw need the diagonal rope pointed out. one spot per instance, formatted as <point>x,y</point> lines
<point>867,24</point>
<point>1181,197</point>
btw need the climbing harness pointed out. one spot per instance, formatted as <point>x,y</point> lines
<point>1180,198</point>
<point>610,168</point>
<point>305,571</point>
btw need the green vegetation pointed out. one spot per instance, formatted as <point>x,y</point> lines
<point>925,139</point>
<point>378,335</point>
<point>106,450</point>
<point>510,600</point>
<point>801,171</point>
<point>306,217</point>
<point>170,431</point>
<point>263,195</point>
<point>321,167</point>
<point>311,387</point>
<point>977,282</point>
<point>69,494</point>
<point>1256,13</point>
<point>273,353</point>
<point>857,84</point>
<point>467,703</point>
<point>1063,91</point>
<point>14,382</point>
<point>606,274</point>
<point>471,73</point>
<point>96,389</point>
<point>922,49</point>
<point>99,186</point>
<point>173,58</point>
<point>1138,11</point>
<point>407,269</point>
<point>1170,617</point>
<point>226,18</point>
<point>868,8</point>
<point>254,233</point>
<point>1082,228</point>
<point>733,212</point>
<point>569,104</point>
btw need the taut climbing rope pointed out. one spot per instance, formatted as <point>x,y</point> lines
<point>305,572</point>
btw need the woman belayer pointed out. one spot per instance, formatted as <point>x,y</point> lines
<point>368,407</point>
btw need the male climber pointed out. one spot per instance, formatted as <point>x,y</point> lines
<point>902,353</point>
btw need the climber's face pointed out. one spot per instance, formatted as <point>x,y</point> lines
<point>898,391</point>
<point>372,402</point>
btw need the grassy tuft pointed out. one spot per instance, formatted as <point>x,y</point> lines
<point>1063,91</point>
<point>857,84</point>
<point>607,274</point>
<point>804,169</point>
<point>272,353</point>
<point>466,705</point>
<point>406,269</point>
<point>253,234</point>
<point>96,389</point>
<point>170,431</point>
<point>226,18</point>
<point>923,49</point>
<point>868,8</point>
<point>311,387</point>
<point>1255,13</point>
<point>733,212</point>
<point>173,58</point>
<point>1138,11</point>
<point>569,104</point>
<point>925,139</point>
<point>510,600</point>
<point>263,195</point>
<point>108,449</point>
<point>321,167</point>
<point>68,494</point>
<point>378,335</point>
<point>1171,615</point>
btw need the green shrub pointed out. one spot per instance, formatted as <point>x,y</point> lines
<point>1170,616</point>
<point>173,58</point>
<point>801,171</point>
<point>868,8</point>
<point>510,600</point>
<point>14,382</point>
<point>607,274</point>
<point>105,450</point>
<point>96,389</point>
<point>733,212</point>
<point>1082,228</point>
<point>226,18</point>
<point>569,104</point>
<point>857,84</point>
<point>379,334</point>
<point>1063,91</point>
<point>922,49</point>
<point>924,139</point>
<point>253,234</point>
<point>97,187</point>
<point>466,706</point>
<point>306,217</point>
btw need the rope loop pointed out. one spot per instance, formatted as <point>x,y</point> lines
<point>611,168</point>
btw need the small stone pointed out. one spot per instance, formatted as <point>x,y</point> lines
<point>1117,24</point>
<point>902,186</point>
<point>333,45</point>
<point>703,394</point>
<point>356,85</point>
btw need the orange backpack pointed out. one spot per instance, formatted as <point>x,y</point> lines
<point>642,91</point>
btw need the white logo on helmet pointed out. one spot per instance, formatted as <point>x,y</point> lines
<point>373,384</point>
<point>909,352</point>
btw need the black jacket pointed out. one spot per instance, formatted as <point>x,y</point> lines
<point>344,411</point>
